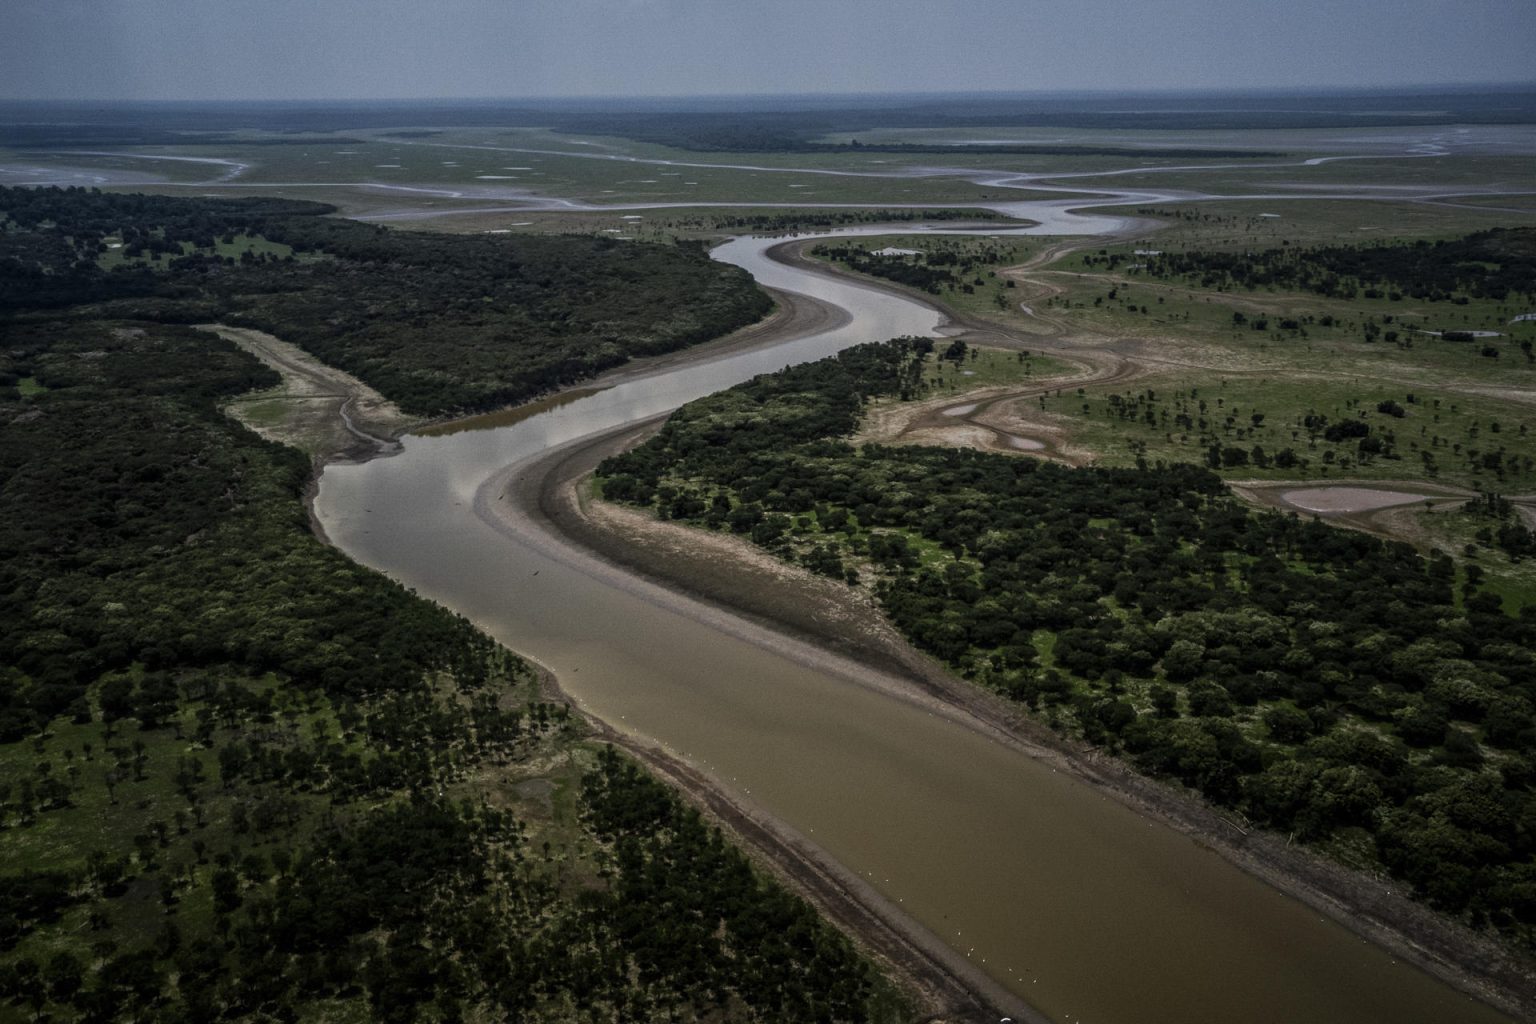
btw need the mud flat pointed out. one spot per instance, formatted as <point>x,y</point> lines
<point>1388,508</point>
<point>1324,500</point>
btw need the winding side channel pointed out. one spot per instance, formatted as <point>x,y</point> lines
<point>1079,906</point>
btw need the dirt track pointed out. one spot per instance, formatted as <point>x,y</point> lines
<point>998,419</point>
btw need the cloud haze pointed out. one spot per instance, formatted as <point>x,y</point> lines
<point>426,49</point>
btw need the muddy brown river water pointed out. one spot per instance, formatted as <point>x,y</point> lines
<point>1076,904</point>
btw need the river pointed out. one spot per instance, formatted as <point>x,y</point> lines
<point>1076,904</point>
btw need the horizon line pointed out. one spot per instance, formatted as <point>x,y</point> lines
<point>1402,89</point>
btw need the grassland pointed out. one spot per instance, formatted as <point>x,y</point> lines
<point>485,164</point>
<point>239,246</point>
<point>1441,435</point>
<point>470,171</point>
<point>1262,223</point>
<point>1265,383</point>
<point>1288,140</point>
<point>984,367</point>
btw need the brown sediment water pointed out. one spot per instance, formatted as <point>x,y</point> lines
<point>1080,906</point>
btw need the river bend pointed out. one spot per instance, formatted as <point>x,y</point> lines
<point>1076,904</point>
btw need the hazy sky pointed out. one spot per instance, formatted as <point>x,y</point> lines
<point>429,49</point>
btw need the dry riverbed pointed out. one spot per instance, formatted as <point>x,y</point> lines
<point>318,409</point>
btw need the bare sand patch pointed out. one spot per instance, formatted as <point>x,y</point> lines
<point>1347,499</point>
<point>1523,395</point>
<point>963,435</point>
<point>1395,516</point>
<point>1034,429</point>
<point>318,409</point>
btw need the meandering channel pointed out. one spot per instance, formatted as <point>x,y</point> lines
<point>1073,903</point>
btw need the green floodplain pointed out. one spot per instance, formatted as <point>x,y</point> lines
<point>218,731</point>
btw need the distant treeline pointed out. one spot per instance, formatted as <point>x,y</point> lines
<point>438,323</point>
<point>769,222</point>
<point>1322,682</point>
<point>72,136</point>
<point>789,123</point>
<point>1494,264</point>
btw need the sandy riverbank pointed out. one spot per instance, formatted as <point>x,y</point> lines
<point>317,408</point>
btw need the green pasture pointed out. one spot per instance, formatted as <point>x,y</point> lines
<point>990,367</point>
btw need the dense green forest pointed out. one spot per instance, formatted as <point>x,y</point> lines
<point>1495,264</point>
<point>242,777</point>
<point>1324,683</point>
<point>438,323</point>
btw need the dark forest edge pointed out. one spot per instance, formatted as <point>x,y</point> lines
<point>244,776</point>
<point>439,324</point>
<point>1497,264</point>
<point>1325,684</point>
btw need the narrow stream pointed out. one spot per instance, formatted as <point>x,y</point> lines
<point>1084,909</point>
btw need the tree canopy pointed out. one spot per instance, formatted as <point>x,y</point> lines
<point>438,323</point>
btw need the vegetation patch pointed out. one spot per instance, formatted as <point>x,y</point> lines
<point>1497,264</point>
<point>1299,426</point>
<point>961,271</point>
<point>437,323</point>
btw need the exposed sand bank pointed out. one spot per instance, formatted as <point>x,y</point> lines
<point>1386,508</point>
<point>1347,499</point>
<point>318,408</point>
